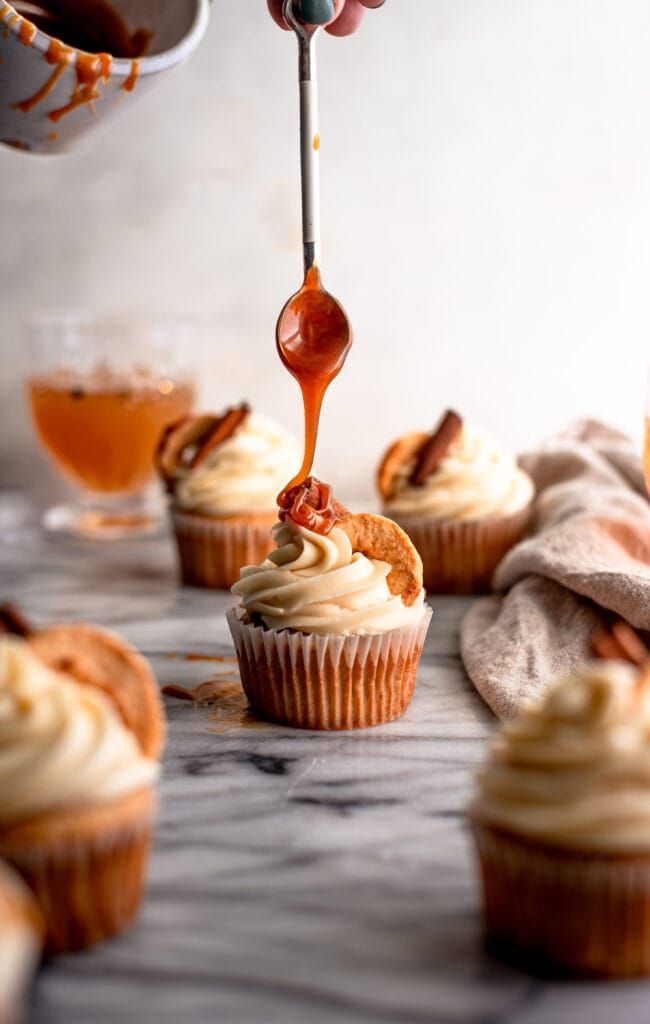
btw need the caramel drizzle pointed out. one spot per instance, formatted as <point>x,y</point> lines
<point>27,32</point>
<point>61,55</point>
<point>10,24</point>
<point>90,69</point>
<point>311,505</point>
<point>130,83</point>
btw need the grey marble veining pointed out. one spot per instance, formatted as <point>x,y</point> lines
<point>298,878</point>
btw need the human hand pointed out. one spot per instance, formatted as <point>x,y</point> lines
<point>339,17</point>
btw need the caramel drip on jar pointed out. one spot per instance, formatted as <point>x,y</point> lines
<point>27,32</point>
<point>8,25</point>
<point>61,55</point>
<point>90,68</point>
<point>130,83</point>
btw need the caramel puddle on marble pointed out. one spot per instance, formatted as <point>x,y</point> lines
<point>222,693</point>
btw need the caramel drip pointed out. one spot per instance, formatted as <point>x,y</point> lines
<point>61,55</point>
<point>129,84</point>
<point>90,68</point>
<point>311,505</point>
<point>10,24</point>
<point>313,340</point>
<point>27,32</point>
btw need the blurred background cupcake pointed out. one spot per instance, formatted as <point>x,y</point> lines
<point>562,826</point>
<point>463,501</point>
<point>77,796</point>
<point>21,940</point>
<point>223,474</point>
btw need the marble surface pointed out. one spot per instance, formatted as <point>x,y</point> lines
<point>297,878</point>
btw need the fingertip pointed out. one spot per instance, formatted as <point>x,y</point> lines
<point>275,9</point>
<point>348,20</point>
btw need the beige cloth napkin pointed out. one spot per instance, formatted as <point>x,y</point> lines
<point>587,555</point>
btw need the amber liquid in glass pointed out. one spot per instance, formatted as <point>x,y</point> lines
<point>103,429</point>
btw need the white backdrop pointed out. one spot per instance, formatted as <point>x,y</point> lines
<point>486,214</point>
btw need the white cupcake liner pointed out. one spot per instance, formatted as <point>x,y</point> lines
<point>461,557</point>
<point>328,682</point>
<point>585,912</point>
<point>213,551</point>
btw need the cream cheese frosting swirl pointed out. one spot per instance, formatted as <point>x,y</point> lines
<point>574,770</point>
<point>475,480</point>
<point>62,744</point>
<point>243,475</point>
<point>315,583</point>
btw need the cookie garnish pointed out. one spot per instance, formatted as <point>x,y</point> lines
<point>186,443</point>
<point>436,447</point>
<point>13,622</point>
<point>380,538</point>
<point>225,427</point>
<point>400,453</point>
<point>311,505</point>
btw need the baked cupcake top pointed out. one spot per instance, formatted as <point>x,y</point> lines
<point>456,472</point>
<point>333,572</point>
<point>62,743</point>
<point>574,769</point>
<point>228,465</point>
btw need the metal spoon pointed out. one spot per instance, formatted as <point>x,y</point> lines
<point>313,334</point>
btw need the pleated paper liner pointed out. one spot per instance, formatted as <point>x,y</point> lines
<point>461,557</point>
<point>328,682</point>
<point>575,912</point>
<point>85,867</point>
<point>20,952</point>
<point>213,551</point>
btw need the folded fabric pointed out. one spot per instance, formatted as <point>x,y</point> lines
<point>586,558</point>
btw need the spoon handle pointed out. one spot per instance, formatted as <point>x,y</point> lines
<point>309,136</point>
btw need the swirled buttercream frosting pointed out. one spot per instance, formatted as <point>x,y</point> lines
<point>574,770</point>
<point>62,744</point>
<point>315,583</point>
<point>474,480</point>
<point>241,476</point>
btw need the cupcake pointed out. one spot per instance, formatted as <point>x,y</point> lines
<point>21,939</point>
<point>223,474</point>
<point>80,733</point>
<point>331,625</point>
<point>462,500</point>
<point>562,827</point>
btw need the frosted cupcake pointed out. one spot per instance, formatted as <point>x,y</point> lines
<point>21,940</point>
<point>562,826</point>
<point>223,474</point>
<point>462,500</point>
<point>331,625</point>
<point>76,786</point>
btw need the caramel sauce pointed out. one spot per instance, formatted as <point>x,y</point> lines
<point>93,26</point>
<point>130,83</point>
<point>313,340</point>
<point>27,32</point>
<point>311,505</point>
<point>8,25</point>
<point>104,433</point>
<point>90,68</point>
<point>96,33</point>
<point>61,55</point>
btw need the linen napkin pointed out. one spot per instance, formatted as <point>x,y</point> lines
<point>586,556</point>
